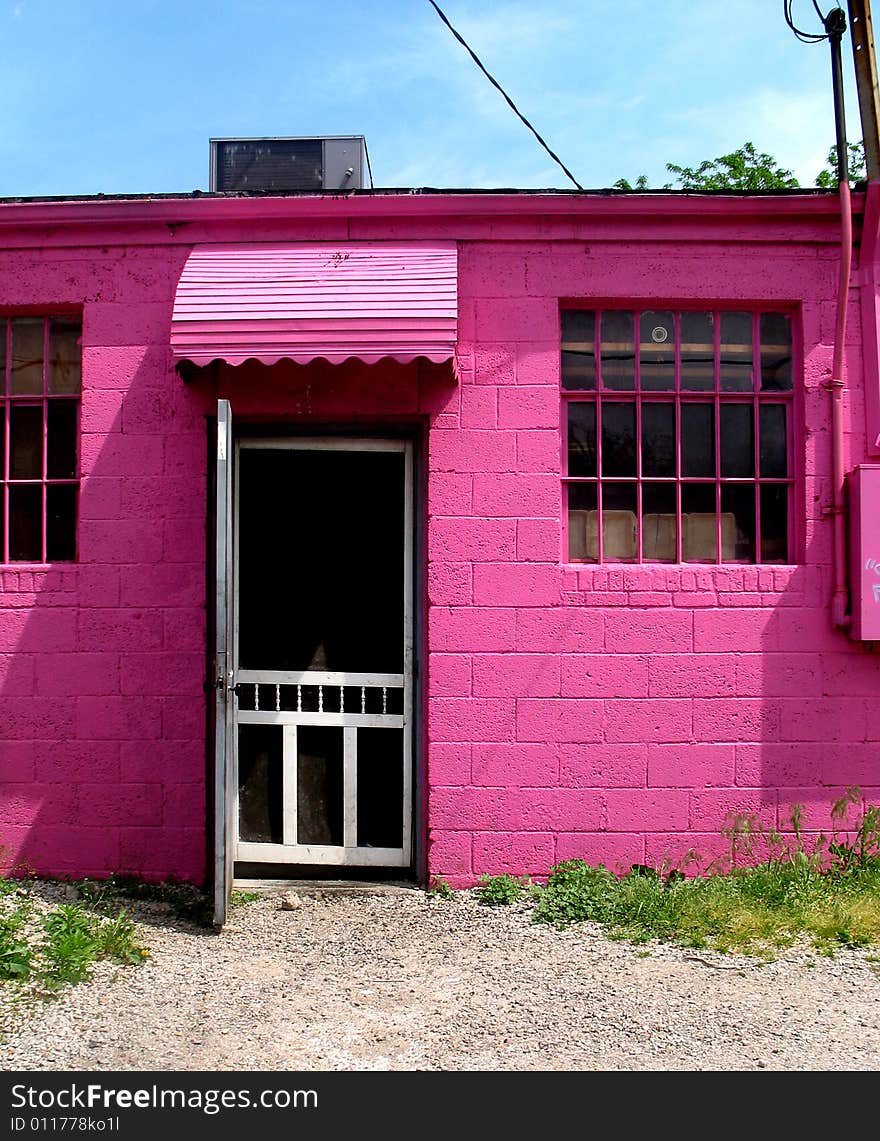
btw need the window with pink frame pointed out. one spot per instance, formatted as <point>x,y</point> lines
<point>678,435</point>
<point>42,381</point>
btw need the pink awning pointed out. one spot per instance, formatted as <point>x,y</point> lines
<point>301,301</point>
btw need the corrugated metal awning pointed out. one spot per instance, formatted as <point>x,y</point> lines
<point>301,301</point>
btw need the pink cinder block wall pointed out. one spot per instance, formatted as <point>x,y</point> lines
<point>613,713</point>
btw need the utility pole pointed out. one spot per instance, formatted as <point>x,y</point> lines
<point>865,60</point>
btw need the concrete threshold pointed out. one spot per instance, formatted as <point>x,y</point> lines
<point>325,887</point>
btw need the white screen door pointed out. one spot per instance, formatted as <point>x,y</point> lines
<point>323,652</point>
<point>224,736</point>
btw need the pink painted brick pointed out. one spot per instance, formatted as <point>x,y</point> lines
<point>538,451</point>
<point>115,804</point>
<point>537,540</point>
<point>449,493</point>
<point>471,719</point>
<point>116,454</point>
<point>37,804</point>
<point>508,320</point>
<point>649,631</point>
<point>17,762</point>
<point>450,675</point>
<point>558,719</point>
<point>73,675</point>
<point>119,541</point>
<point>479,407</point>
<point>673,766</point>
<point>816,803</point>
<point>516,810</point>
<point>502,494</point>
<point>617,851</point>
<point>449,584</point>
<point>693,675</point>
<point>778,675</point>
<point>449,853</point>
<point>182,630</point>
<point>101,410</point>
<point>157,674</point>
<point>102,629</point>
<point>516,675</point>
<point>163,852</point>
<point>472,629</point>
<point>850,675</point>
<point>604,675</point>
<point>737,631</point>
<point>774,764</point>
<point>100,498</point>
<point>847,764</point>
<point>182,540</point>
<point>477,540</point>
<point>472,450</point>
<point>173,585</point>
<point>603,766</point>
<point>711,809</point>
<point>17,674</point>
<point>77,761</point>
<point>449,763</point>
<point>181,761</point>
<point>38,718</point>
<point>98,586</point>
<point>735,719</point>
<point>183,803</point>
<point>514,853</point>
<point>516,584</point>
<point>183,718</point>
<point>561,630</point>
<point>40,631</point>
<point>653,719</point>
<point>646,809</point>
<point>537,362</point>
<point>836,719</point>
<point>118,718</point>
<point>515,765</point>
<point>528,407</point>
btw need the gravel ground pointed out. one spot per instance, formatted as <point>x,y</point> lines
<point>394,980</point>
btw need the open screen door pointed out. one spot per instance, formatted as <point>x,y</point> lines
<point>224,735</point>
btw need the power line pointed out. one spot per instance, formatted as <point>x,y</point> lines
<point>510,102</point>
<point>806,37</point>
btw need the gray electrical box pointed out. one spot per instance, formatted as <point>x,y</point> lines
<point>278,166</point>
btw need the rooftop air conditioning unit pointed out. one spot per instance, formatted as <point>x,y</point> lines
<point>278,166</point>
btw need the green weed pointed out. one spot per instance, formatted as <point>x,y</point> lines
<point>501,890</point>
<point>439,889</point>
<point>242,898</point>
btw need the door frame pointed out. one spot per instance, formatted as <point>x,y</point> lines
<point>350,439</point>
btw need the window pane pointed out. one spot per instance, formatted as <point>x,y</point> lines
<point>697,440</point>
<point>61,439</point>
<point>26,523</point>
<point>581,438</point>
<point>697,352</point>
<point>738,523</point>
<point>619,521</point>
<point>380,788</point>
<point>657,351</point>
<point>698,522</point>
<point>618,439</point>
<point>65,369</point>
<point>658,439</point>
<point>736,352</point>
<point>774,523</point>
<point>618,350</point>
<point>658,522</point>
<point>775,352</point>
<point>27,355</point>
<point>25,441</point>
<point>774,450</point>
<point>737,440</point>
<point>260,776</point>
<point>582,543</point>
<point>319,785</point>
<point>578,349</point>
<point>61,522</point>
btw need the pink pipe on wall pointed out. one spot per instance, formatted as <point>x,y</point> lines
<point>836,386</point>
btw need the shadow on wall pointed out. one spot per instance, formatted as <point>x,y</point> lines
<point>103,662</point>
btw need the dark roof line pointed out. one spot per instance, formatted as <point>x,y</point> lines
<point>377,192</point>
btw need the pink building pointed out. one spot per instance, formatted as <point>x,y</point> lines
<point>431,534</point>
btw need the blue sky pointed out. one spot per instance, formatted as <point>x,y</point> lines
<point>117,97</point>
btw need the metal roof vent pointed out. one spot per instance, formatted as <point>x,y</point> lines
<point>277,166</point>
